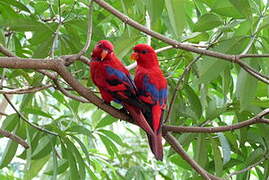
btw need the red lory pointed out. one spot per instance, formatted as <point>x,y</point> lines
<point>115,83</point>
<point>152,90</point>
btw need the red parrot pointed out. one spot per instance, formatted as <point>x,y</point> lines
<point>152,90</point>
<point>115,83</point>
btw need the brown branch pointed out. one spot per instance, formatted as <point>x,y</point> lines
<point>27,63</point>
<point>15,138</point>
<point>179,149</point>
<point>242,56</point>
<point>25,119</point>
<point>26,90</point>
<point>248,168</point>
<point>3,114</point>
<point>257,119</point>
<point>176,44</point>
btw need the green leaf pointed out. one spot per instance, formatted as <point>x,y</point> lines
<point>112,136</point>
<point>80,130</point>
<point>44,147</point>
<point>17,4</point>
<point>37,111</point>
<point>225,8</point>
<point>10,122</point>
<point>9,153</point>
<point>155,9</point>
<point>175,10</point>
<point>243,7</point>
<point>107,120</point>
<point>135,173</point>
<point>81,164</point>
<point>35,167</point>
<point>62,166</point>
<point>225,146</point>
<point>207,22</point>
<point>254,156</point>
<point>217,158</point>
<point>177,160</point>
<point>201,150</point>
<point>194,101</point>
<point>40,6</point>
<point>125,43</point>
<point>246,88</point>
<point>110,146</point>
<point>74,174</point>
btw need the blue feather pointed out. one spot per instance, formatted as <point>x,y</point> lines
<point>157,95</point>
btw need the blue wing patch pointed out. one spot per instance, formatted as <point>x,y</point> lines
<point>119,74</point>
<point>156,94</point>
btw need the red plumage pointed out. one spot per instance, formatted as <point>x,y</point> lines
<point>114,82</point>
<point>152,90</point>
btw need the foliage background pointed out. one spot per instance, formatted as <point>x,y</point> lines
<point>94,145</point>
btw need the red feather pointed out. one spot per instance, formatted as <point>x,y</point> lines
<point>114,82</point>
<point>152,87</point>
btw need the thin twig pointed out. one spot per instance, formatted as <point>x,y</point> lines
<point>66,93</point>
<point>14,137</point>
<point>71,59</point>
<point>3,114</point>
<point>26,90</point>
<point>247,168</point>
<point>256,119</point>
<point>25,119</point>
<point>255,33</point>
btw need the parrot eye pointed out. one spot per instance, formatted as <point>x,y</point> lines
<point>144,51</point>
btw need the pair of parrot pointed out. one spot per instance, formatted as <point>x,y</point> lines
<point>144,98</point>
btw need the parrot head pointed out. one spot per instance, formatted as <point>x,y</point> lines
<point>102,50</point>
<point>144,55</point>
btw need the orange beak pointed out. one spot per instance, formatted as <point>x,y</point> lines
<point>104,54</point>
<point>134,56</point>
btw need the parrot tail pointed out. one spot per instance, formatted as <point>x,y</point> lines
<point>139,118</point>
<point>155,143</point>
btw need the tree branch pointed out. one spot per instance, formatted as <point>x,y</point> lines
<point>26,90</point>
<point>15,138</point>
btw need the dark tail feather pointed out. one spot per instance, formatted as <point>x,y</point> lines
<point>155,143</point>
<point>139,119</point>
